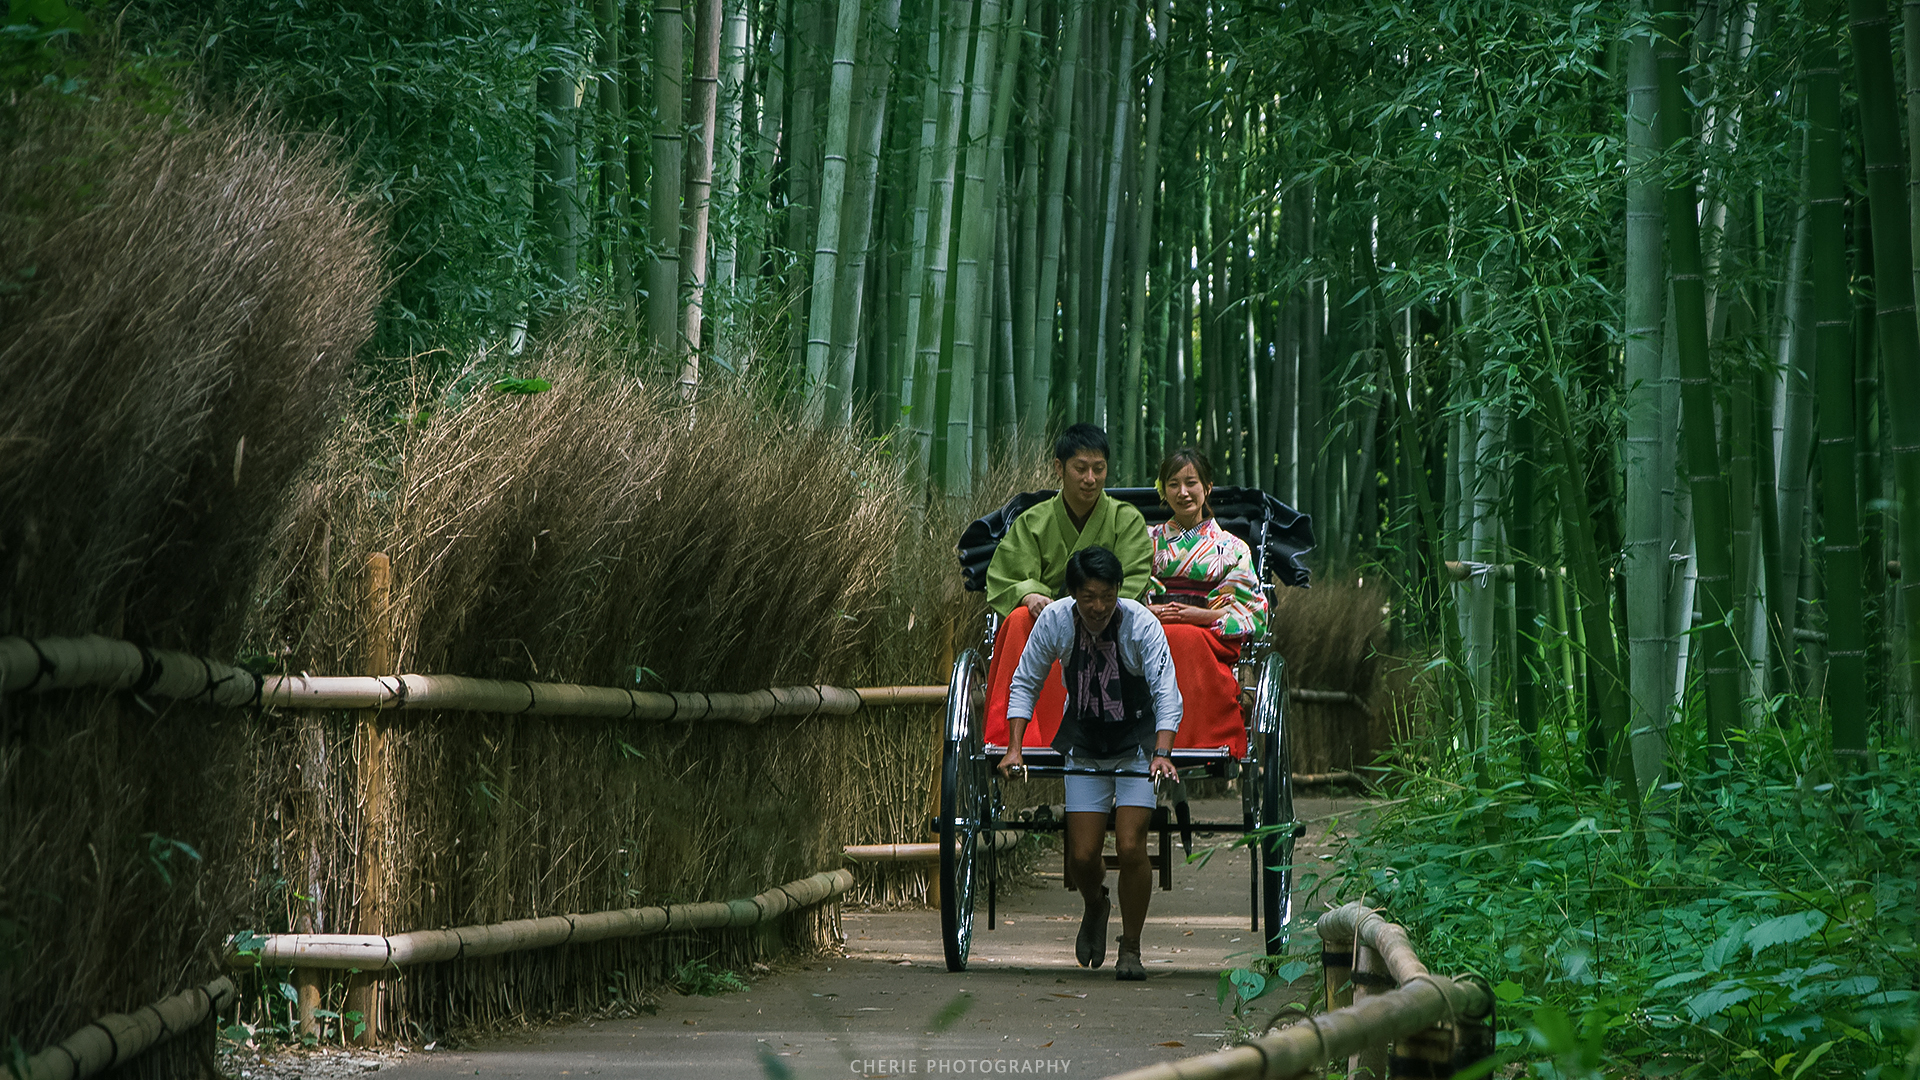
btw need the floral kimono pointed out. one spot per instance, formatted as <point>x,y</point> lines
<point>1207,566</point>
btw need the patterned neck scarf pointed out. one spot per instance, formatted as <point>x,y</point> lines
<point>1097,662</point>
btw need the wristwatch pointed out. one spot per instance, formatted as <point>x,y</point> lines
<point>1163,754</point>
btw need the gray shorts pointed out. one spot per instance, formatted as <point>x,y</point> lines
<point>1099,794</point>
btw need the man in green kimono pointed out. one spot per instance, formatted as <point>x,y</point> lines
<point>1030,563</point>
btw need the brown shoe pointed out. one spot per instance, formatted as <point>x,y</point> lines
<point>1127,967</point>
<point>1090,948</point>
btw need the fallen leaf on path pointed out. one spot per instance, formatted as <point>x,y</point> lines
<point>1171,1042</point>
<point>1058,994</point>
<point>1044,1045</point>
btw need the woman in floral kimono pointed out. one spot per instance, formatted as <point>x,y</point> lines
<point>1204,591</point>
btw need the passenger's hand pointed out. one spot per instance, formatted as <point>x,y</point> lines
<point>1162,768</point>
<point>1185,615</point>
<point>1035,603</point>
<point>1011,762</point>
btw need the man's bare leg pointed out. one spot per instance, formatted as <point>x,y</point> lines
<point>1136,884</point>
<point>1086,861</point>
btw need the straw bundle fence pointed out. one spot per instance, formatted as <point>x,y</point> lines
<point>200,280</point>
<point>180,298</point>
<point>1332,636</point>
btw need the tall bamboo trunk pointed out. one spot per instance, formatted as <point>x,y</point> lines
<point>1644,564</point>
<point>638,119</point>
<point>989,115</point>
<point>911,383</point>
<point>826,247</point>
<point>856,231</point>
<point>928,333</point>
<point>1065,84</point>
<point>615,208</point>
<point>732,151</point>
<point>1130,441</point>
<point>557,203</point>
<point>669,155</point>
<point>1006,417</point>
<point>1894,291</point>
<point>1711,513</point>
<point>699,197</point>
<point>766,146</point>
<point>1793,432</point>
<point>1834,364</point>
<point>1110,233</point>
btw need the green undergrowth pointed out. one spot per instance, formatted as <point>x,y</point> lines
<point>1756,921</point>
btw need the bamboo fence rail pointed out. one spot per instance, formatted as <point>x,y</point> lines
<point>373,953</point>
<point>1003,839</point>
<point>37,665</point>
<point>117,1038</point>
<point>1441,1024</point>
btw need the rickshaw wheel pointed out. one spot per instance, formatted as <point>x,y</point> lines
<point>963,806</point>
<point>1273,755</point>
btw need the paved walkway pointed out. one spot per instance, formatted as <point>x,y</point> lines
<point>889,1007</point>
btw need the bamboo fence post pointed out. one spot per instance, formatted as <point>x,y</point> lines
<point>310,803</point>
<point>366,991</point>
<point>1370,979</point>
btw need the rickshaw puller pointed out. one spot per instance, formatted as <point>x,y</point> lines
<point>1123,709</point>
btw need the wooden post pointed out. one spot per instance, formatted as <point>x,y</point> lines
<point>366,991</point>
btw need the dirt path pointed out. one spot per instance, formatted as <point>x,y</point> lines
<point>890,1008</point>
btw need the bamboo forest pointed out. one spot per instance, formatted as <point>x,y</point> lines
<point>669,345</point>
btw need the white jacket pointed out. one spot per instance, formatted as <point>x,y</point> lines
<point>1143,651</point>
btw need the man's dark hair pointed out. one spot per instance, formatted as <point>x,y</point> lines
<point>1094,564</point>
<point>1081,437</point>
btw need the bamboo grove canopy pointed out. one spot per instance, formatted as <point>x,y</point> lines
<point>1619,295</point>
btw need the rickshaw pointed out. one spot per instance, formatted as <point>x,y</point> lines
<point>973,819</point>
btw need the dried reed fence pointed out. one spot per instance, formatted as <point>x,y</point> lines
<point>1332,636</point>
<point>182,464</point>
<point>180,298</point>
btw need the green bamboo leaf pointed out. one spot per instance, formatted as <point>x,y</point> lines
<point>1784,930</point>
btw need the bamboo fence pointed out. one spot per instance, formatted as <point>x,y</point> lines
<point>42,664</point>
<point>117,1038</point>
<point>375,953</point>
<point>1438,1025</point>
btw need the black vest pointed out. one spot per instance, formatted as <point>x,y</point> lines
<point>1098,736</point>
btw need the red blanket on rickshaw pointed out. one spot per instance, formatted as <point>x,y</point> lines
<point>1202,663</point>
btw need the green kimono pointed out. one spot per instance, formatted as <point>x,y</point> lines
<point>1033,557</point>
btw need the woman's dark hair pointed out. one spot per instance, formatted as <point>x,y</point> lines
<point>1080,437</point>
<point>1094,564</point>
<point>1202,468</point>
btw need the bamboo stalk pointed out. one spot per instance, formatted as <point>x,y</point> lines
<point>669,112</point>
<point>118,1038</point>
<point>1066,81</point>
<point>1645,562</point>
<point>378,953</point>
<point>1893,286</point>
<point>46,664</point>
<point>833,185</point>
<point>929,331</point>
<point>1003,840</point>
<point>699,195</point>
<point>856,234</point>
<point>1834,371</point>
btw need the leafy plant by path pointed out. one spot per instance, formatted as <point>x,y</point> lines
<point>695,977</point>
<point>1755,923</point>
